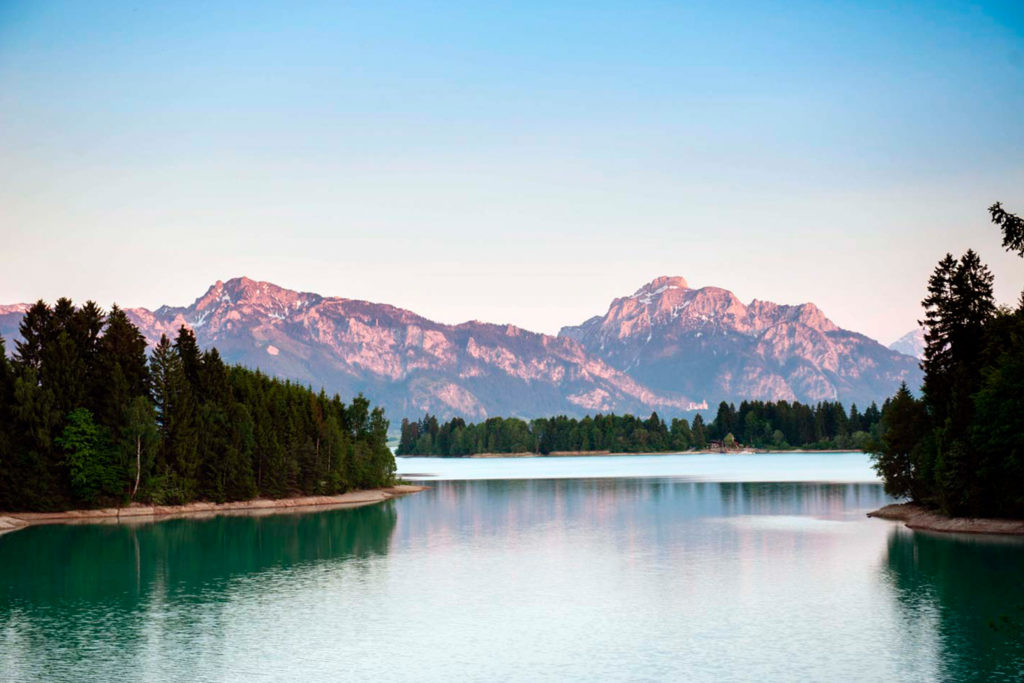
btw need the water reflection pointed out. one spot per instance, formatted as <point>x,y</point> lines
<point>492,507</point>
<point>583,579</point>
<point>68,591</point>
<point>972,589</point>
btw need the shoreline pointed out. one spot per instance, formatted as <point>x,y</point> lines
<point>920,518</point>
<point>138,513</point>
<point>578,454</point>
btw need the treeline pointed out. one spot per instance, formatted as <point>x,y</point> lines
<point>88,419</point>
<point>757,424</point>
<point>960,447</point>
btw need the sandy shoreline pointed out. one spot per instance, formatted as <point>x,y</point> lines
<point>11,521</point>
<point>916,517</point>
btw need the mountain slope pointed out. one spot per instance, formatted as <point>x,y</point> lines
<point>705,343</point>
<point>662,348</point>
<point>10,318</point>
<point>400,359</point>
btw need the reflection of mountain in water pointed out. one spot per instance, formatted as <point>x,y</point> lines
<point>974,586</point>
<point>49,565</point>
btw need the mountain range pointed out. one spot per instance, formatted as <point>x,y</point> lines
<point>667,347</point>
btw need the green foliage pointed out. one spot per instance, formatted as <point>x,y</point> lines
<point>765,425</point>
<point>90,457</point>
<point>903,426</point>
<point>139,441</point>
<point>961,447</point>
<point>1012,226</point>
<point>996,432</point>
<point>86,419</point>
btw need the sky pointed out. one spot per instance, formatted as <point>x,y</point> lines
<point>517,162</point>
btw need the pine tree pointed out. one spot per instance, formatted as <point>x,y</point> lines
<point>939,330</point>
<point>8,464</point>
<point>85,419</point>
<point>700,440</point>
<point>34,330</point>
<point>191,358</point>
<point>1012,226</point>
<point>176,416</point>
<point>164,366</point>
<point>904,423</point>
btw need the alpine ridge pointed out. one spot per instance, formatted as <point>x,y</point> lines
<point>667,348</point>
<point>706,343</point>
<point>406,362</point>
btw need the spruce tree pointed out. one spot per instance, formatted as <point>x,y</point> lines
<point>34,330</point>
<point>191,358</point>
<point>904,423</point>
<point>939,330</point>
<point>1012,226</point>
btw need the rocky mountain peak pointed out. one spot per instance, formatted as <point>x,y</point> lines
<point>910,344</point>
<point>238,298</point>
<point>707,344</point>
<point>266,295</point>
<point>662,284</point>
<point>667,347</point>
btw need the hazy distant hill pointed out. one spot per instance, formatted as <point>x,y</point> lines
<point>10,318</point>
<point>912,343</point>
<point>663,348</point>
<point>706,343</point>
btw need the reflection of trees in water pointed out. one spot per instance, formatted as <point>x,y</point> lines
<point>62,564</point>
<point>488,508</point>
<point>975,588</point>
<point>799,497</point>
<point>79,601</point>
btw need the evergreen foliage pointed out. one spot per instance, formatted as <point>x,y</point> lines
<point>1012,226</point>
<point>960,447</point>
<point>759,424</point>
<point>86,419</point>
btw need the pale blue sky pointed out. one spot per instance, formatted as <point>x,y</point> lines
<point>513,162</point>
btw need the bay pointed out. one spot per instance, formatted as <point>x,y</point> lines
<point>684,567</point>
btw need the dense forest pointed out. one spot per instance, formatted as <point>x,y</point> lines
<point>960,446</point>
<point>758,424</point>
<point>88,419</point>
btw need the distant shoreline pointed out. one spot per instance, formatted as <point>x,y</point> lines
<point>578,454</point>
<point>919,518</point>
<point>12,521</point>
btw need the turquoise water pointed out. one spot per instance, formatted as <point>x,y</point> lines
<point>545,576</point>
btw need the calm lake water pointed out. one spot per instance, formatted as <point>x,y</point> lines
<point>714,568</point>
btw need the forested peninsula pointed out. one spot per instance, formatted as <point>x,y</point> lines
<point>959,447</point>
<point>89,419</point>
<point>757,424</point>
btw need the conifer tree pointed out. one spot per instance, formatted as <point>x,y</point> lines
<point>33,329</point>
<point>86,420</point>
<point>1012,226</point>
<point>904,423</point>
<point>191,358</point>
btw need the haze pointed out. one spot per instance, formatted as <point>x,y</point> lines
<point>511,162</point>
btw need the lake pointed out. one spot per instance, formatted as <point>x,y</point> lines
<point>682,567</point>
